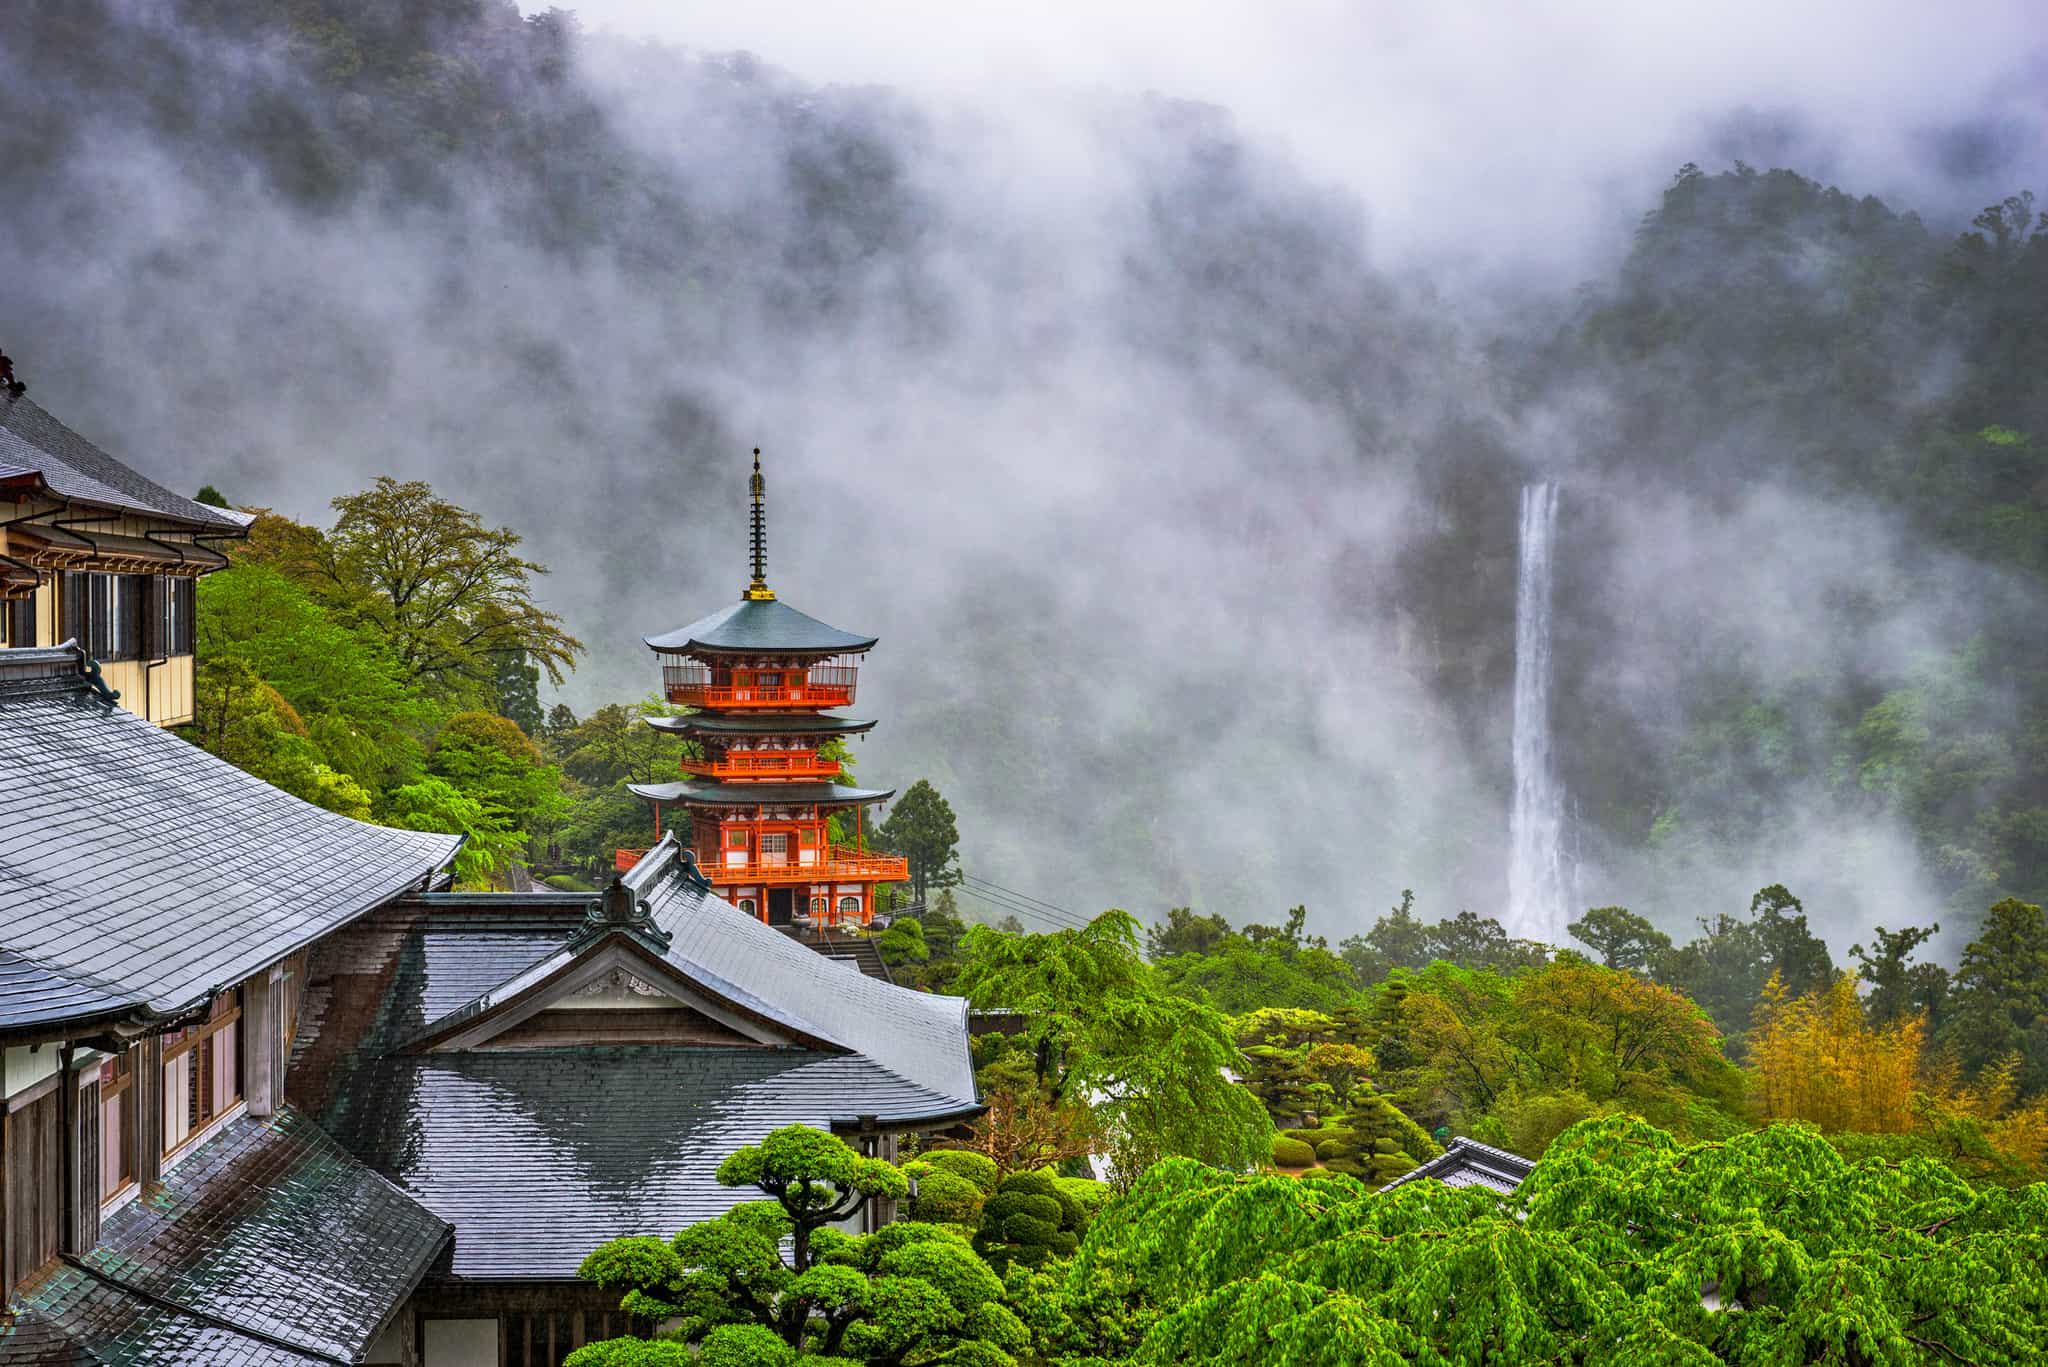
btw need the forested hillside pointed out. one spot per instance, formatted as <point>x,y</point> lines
<point>566,280</point>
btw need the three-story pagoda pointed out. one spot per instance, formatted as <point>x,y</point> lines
<point>761,677</point>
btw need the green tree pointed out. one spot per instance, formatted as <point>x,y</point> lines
<point>1397,940</point>
<point>911,1292</point>
<point>1026,1221</point>
<point>1155,1068</point>
<point>1899,989</point>
<point>1621,938</point>
<point>449,593</point>
<point>1185,933</point>
<point>1622,1247</point>
<point>491,844</point>
<point>902,945</point>
<point>1798,956</point>
<point>2000,1002</point>
<point>1265,966</point>
<point>1480,942</point>
<point>489,758</point>
<point>516,685</point>
<point>615,745</point>
<point>922,830</point>
<point>344,684</point>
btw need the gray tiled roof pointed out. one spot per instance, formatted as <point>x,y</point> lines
<point>1469,1163</point>
<point>919,1035</point>
<point>136,868</point>
<point>756,624</point>
<point>75,468</point>
<point>31,991</point>
<point>461,960</point>
<point>538,1156</point>
<point>272,1226</point>
<point>751,794</point>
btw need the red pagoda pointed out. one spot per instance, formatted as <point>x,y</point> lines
<point>760,676</point>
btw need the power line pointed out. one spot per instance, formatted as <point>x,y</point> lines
<point>1020,896</point>
<point>1020,904</point>
<point>1022,910</point>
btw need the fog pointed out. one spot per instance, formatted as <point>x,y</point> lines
<point>1441,116</point>
<point>1126,437</point>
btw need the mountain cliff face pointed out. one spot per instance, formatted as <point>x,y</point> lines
<point>1189,528</point>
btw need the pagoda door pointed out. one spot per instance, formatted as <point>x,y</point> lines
<point>781,906</point>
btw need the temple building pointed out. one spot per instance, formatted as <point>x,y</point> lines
<point>274,1094</point>
<point>93,552</point>
<point>160,1199</point>
<point>758,809</point>
<point>1469,1163</point>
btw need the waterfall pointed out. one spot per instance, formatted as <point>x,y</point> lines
<point>1536,882</point>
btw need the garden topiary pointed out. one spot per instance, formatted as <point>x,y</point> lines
<point>1026,1222</point>
<point>1292,1153</point>
<point>943,1195</point>
<point>1087,1193</point>
<point>977,1168</point>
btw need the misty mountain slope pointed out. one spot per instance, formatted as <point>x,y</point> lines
<point>1189,530</point>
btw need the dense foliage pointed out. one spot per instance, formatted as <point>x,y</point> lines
<point>913,1292</point>
<point>388,668</point>
<point>1624,1246</point>
<point>1100,1029</point>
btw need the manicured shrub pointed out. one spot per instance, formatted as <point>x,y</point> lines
<point>1027,1222</point>
<point>744,1345</point>
<point>943,1197</point>
<point>977,1168</point>
<point>1090,1195</point>
<point>1292,1153</point>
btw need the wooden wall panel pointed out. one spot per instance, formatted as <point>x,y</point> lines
<point>29,1174</point>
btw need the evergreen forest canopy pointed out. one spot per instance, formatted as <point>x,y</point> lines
<point>1799,604</point>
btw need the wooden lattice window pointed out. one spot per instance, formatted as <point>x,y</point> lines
<point>117,1125</point>
<point>202,1071</point>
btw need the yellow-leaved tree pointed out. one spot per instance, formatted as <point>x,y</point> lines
<point>1819,1060</point>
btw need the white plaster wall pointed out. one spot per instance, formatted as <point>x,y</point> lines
<point>461,1343</point>
<point>25,1069</point>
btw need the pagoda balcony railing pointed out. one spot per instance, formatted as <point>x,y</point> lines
<point>821,686</point>
<point>842,864</point>
<point>796,764</point>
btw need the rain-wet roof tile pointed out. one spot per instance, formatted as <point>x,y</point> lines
<point>67,1317</point>
<point>273,1227</point>
<point>537,1155</point>
<point>225,874</point>
<point>918,1035</point>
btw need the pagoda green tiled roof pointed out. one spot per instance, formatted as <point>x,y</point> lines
<point>767,794</point>
<point>760,724</point>
<point>759,626</point>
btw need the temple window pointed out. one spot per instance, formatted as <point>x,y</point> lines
<point>202,1071</point>
<point>117,1125</point>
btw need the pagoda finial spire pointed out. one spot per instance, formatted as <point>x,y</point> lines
<point>758,591</point>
